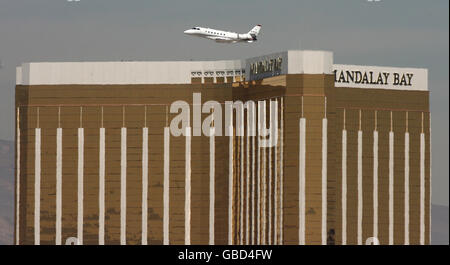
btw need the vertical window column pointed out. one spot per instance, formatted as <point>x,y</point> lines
<point>344,184</point>
<point>101,200</point>
<point>37,182</point>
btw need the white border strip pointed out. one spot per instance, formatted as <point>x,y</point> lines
<point>258,189</point>
<point>422,188</point>
<point>324,179</point>
<point>270,197</point>
<point>144,209</point>
<point>187,189</point>
<point>123,186</point>
<point>375,184</point>
<point>391,188</point>
<point>360,188</point>
<point>276,193</point>
<point>80,185</point>
<point>344,187</point>
<point>58,185</point>
<point>247,201</point>
<point>302,181</point>
<point>212,190</point>
<point>253,190</point>
<point>37,187</point>
<point>241,186</point>
<point>101,194</point>
<point>281,172</point>
<point>406,188</point>
<point>263,185</point>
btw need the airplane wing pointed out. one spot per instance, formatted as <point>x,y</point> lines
<point>220,39</point>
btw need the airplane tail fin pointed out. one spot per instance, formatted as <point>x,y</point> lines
<point>255,30</point>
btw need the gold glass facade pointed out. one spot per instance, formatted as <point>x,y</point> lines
<point>339,173</point>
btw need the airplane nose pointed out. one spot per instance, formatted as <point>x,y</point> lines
<point>187,31</point>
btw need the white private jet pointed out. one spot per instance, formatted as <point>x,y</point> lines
<point>224,36</point>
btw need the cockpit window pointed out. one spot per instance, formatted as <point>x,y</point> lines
<point>196,28</point>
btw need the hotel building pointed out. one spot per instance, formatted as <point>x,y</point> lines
<point>96,162</point>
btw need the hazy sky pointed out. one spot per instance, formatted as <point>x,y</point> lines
<point>408,33</point>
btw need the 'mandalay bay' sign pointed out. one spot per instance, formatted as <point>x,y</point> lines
<point>380,77</point>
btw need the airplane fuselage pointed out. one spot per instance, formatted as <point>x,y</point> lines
<point>220,35</point>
